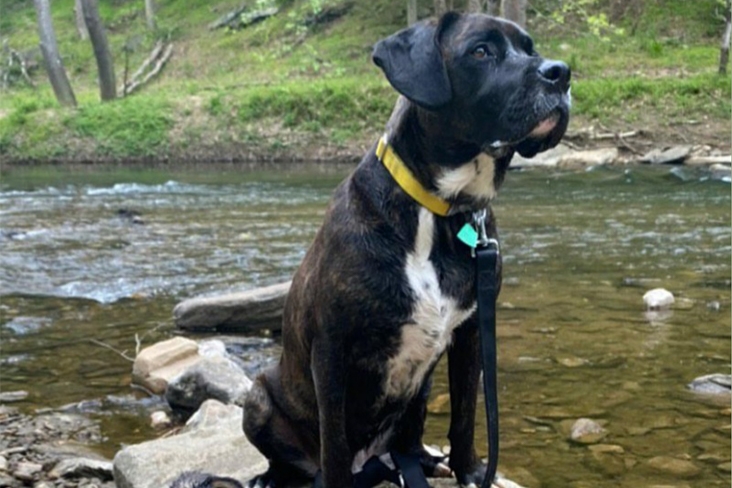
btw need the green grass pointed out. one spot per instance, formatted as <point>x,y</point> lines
<point>691,98</point>
<point>240,86</point>
<point>130,127</point>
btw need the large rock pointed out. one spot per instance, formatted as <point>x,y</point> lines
<point>212,441</point>
<point>156,365</point>
<point>247,311</point>
<point>546,159</point>
<point>215,376</point>
<point>673,155</point>
<point>592,157</point>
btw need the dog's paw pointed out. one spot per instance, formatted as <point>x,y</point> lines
<point>473,478</point>
<point>433,463</point>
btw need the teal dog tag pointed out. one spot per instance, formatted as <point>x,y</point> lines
<point>468,235</point>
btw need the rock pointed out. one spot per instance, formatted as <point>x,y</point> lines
<point>721,172</point>
<point>658,299</point>
<point>606,458</point>
<point>725,467</point>
<point>215,376</point>
<point>3,463</point>
<point>156,365</point>
<point>9,481</point>
<point>676,154</point>
<point>521,475</point>
<point>27,471</point>
<point>82,467</point>
<point>212,441</point>
<point>571,361</point>
<point>712,383</point>
<point>440,405</point>
<point>592,157</point>
<point>607,448</point>
<point>587,431</point>
<point>499,482</point>
<point>679,468</point>
<point>160,420</point>
<point>197,479</point>
<point>247,311</point>
<point>13,396</point>
<point>547,159</point>
<point>708,160</point>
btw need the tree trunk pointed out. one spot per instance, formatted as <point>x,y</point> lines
<point>80,24</point>
<point>493,7</point>
<point>150,14</point>
<point>475,6</point>
<point>107,83</point>
<point>49,48</point>
<point>514,10</point>
<point>440,7</point>
<point>724,51</point>
<point>411,12</point>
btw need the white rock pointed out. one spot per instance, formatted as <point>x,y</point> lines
<point>159,420</point>
<point>158,364</point>
<point>211,442</point>
<point>658,298</point>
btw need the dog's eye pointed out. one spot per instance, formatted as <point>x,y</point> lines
<point>482,51</point>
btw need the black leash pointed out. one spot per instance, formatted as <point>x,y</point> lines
<point>486,261</point>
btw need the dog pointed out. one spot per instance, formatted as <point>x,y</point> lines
<point>386,288</point>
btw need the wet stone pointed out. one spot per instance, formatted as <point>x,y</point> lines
<point>712,384</point>
<point>27,471</point>
<point>13,396</point>
<point>82,467</point>
<point>9,481</point>
<point>587,431</point>
<point>679,468</point>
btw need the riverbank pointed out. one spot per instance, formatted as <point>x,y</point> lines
<point>291,89</point>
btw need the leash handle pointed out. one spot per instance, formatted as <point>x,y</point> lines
<point>486,274</point>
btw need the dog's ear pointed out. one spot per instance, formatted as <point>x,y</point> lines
<point>412,62</point>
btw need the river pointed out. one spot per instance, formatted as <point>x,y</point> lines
<point>92,261</point>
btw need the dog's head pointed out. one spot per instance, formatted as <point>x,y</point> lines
<point>482,75</point>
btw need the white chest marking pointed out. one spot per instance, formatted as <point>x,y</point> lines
<point>474,179</point>
<point>434,316</point>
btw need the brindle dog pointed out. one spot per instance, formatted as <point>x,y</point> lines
<point>386,287</point>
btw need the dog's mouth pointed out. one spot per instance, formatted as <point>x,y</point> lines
<point>544,127</point>
<point>544,135</point>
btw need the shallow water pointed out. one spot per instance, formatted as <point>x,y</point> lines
<point>82,283</point>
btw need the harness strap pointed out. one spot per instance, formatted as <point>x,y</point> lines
<point>411,469</point>
<point>486,261</point>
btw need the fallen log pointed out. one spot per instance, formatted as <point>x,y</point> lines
<point>249,311</point>
<point>156,57</point>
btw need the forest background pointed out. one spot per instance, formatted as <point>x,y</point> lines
<point>292,79</point>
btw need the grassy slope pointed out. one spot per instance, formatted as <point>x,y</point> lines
<point>278,89</point>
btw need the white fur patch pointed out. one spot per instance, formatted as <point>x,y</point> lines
<point>474,179</point>
<point>377,448</point>
<point>434,316</point>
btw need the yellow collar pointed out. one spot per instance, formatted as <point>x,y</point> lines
<point>406,180</point>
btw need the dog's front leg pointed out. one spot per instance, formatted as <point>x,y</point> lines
<point>329,374</point>
<point>464,373</point>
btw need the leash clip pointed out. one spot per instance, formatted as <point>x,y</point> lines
<point>479,219</point>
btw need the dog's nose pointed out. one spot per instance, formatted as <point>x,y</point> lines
<point>555,73</point>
